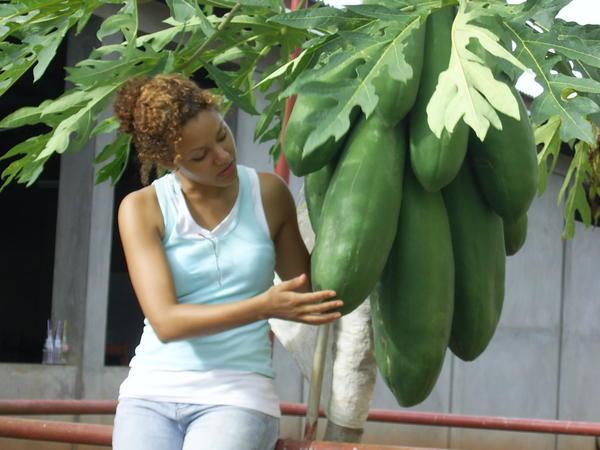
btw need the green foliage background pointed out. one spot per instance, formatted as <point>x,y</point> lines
<point>489,37</point>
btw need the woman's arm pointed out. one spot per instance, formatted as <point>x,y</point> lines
<point>293,258</point>
<point>140,220</point>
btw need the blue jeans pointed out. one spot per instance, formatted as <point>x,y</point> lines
<point>152,425</point>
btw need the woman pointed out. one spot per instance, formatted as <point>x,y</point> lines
<point>202,244</point>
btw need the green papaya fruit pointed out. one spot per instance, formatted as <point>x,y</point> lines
<point>360,212</point>
<point>515,235</point>
<point>315,188</point>
<point>479,262</point>
<point>413,303</point>
<point>506,166</point>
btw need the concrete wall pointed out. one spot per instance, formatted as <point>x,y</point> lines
<point>542,363</point>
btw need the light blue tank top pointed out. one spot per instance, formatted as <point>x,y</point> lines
<point>234,261</point>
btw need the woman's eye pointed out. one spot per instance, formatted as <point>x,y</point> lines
<point>222,137</point>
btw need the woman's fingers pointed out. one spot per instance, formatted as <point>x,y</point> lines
<point>293,283</point>
<point>324,307</point>
<point>319,319</point>
<point>315,297</point>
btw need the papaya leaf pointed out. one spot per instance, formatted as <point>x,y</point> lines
<point>119,149</point>
<point>266,119</point>
<point>37,28</point>
<point>159,39</point>
<point>78,122</point>
<point>85,126</point>
<point>548,135</point>
<point>224,82</point>
<point>532,49</point>
<point>27,115</point>
<point>126,21</point>
<point>98,72</point>
<point>577,200</point>
<point>108,125</point>
<point>320,18</point>
<point>183,10</point>
<point>15,60</point>
<point>50,112</point>
<point>345,76</point>
<point>468,89</point>
<point>28,168</point>
<point>569,84</point>
<point>581,43</point>
<point>272,5</point>
<point>70,99</point>
<point>594,74</point>
<point>186,11</point>
<point>542,12</point>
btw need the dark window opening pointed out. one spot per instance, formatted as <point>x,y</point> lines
<point>125,319</point>
<point>28,227</point>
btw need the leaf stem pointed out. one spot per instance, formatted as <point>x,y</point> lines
<point>212,37</point>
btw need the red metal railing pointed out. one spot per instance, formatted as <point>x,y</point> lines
<point>82,433</point>
<point>55,431</point>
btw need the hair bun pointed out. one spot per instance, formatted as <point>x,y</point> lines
<point>127,97</point>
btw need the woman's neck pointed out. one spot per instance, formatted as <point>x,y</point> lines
<point>191,187</point>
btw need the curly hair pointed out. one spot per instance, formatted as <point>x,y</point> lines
<point>153,110</point>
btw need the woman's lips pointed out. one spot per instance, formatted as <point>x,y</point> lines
<point>228,171</point>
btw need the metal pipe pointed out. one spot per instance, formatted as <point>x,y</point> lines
<point>292,444</point>
<point>77,407</point>
<point>316,382</point>
<point>58,407</point>
<point>468,421</point>
<point>54,431</point>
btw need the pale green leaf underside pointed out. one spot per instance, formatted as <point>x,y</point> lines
<point>468,89</point>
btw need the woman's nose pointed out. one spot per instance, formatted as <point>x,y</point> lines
<point>223,156</point>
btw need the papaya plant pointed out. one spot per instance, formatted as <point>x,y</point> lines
<point>406,124</point>
<point>376,40</point>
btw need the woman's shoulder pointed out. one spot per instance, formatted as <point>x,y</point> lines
<point>140,199</point>
<point>141,207</point>
<point>277,199</point>
<point>272,184</point>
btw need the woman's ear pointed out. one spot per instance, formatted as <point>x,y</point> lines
<point>177,160</point>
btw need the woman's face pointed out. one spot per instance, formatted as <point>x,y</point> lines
<point>206,153</point>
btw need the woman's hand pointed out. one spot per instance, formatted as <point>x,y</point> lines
<point>283,302</point>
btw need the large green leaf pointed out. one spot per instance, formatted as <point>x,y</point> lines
<point>119,151</point>
<point>532,49</point>
<point>28,168</point>
<point>98,72</point>
<point>542,12</point>
<point>549,137</point>
<point>467,89</point>
<point>272,5</point>
<point>126,21</point>
<point>361,60</point>
<point>581,43</point>
<point>49,112</point>
<point>321,18</point>
<point>37,29</point>
<point>577,200</point>
<point>79,122</point>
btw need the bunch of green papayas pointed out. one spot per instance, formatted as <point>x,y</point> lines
<point>420,224</point>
